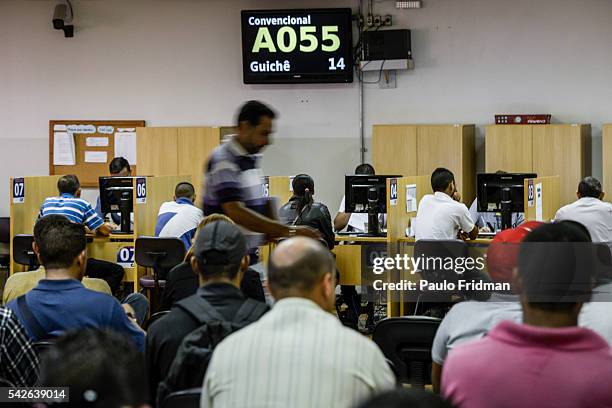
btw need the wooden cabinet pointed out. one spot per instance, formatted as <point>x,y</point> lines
<point>606,161</point>
<point>413,150</point>
<point>168,151</point>
<point>548,150</point>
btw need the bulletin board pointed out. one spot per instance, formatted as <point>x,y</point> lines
<point>92,140</point>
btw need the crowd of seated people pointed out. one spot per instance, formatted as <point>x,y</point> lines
<point>544,343</point>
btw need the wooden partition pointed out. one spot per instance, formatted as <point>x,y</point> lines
<point>117,248</point>
<point>550,201</point>
<point>279,187</point>
<point>24,212</point>
<point>411,150</point>
<point>547,150</point>
<point>398,218</point>
<point>171,151</point>
<point>606,161</point>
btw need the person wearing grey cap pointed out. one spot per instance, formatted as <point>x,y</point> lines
<point>220,260</point>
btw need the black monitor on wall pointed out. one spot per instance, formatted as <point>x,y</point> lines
<point>297,46</point>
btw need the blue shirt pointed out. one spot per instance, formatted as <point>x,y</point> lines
<point>232,174</point>
<point>178,219</point>
<point>75,209</point>
<point>61,305</point>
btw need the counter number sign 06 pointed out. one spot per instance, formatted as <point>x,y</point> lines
<point>141,190</point>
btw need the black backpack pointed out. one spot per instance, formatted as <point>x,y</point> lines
<point>194,353</point>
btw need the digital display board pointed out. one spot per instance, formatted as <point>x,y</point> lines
<point>297,46</point>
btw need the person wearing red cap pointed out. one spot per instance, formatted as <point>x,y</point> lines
<point>470,320</point>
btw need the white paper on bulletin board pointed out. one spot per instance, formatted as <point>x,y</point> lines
<point>63,149</point>
<point>125,146</point>
<point>538,201</point>
<point>96,141</point>
<point>95,157</point>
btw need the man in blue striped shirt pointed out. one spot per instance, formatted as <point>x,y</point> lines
<point>70,205</point>
<point>233,179</point>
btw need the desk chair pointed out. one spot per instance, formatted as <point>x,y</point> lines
<point>153,318</point>
<point>42,346</point>
<point>431,248</point>
<point>5,240</point>
<point>183,399</point>
<point>406,342</point>
<point>158,254</point>
<point>23,253</point>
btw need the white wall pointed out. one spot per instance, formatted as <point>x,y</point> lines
<point>179,63</point>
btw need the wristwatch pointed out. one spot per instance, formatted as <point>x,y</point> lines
<point>292,232</point>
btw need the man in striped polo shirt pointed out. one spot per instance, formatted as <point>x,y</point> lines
<point>70,205</point>
<point>234,181</point>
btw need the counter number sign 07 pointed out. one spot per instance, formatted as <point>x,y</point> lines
<point>125,256</point>
<point>18,190</point>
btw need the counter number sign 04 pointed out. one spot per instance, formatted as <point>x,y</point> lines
<point>393,191</point>
<point>18,190</point>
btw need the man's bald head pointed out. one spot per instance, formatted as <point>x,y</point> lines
<point>298,264</point>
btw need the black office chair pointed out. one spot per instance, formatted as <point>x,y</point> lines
<point>158,254</point>
<point>438,301</point>
<point>5,240</point>
<point>153,318</point>
<point>22,251</point>
<point>406,342</point>
<point>183,399</point>
<point>42,346</point>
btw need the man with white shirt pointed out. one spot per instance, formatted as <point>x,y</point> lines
<point>298,354</point>
<point>179,218</point>
<point>590,211</point>
<point>441,215</point>
<point>355,222</point>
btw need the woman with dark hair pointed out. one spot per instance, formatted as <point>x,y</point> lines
<point>303,210</point>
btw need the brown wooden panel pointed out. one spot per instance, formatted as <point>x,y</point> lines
<point>194,146</point>
<point>394,149</point>
<point>452,147</point>
<point>157,150</point>
<point>606,161</point>
<point>509,148</point>
<point>559,150</point>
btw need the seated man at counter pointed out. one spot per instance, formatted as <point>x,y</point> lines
<point>490,221</point>
<point>118,167</point>
<point>70,205</point>
<point>354,222</point>
<point>590,211</point>
<point>179,218</point>
<point>441,215</point>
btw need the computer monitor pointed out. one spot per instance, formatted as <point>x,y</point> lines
<point>503,193</point>
<point>117,196</point>
<point>356,188</point>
